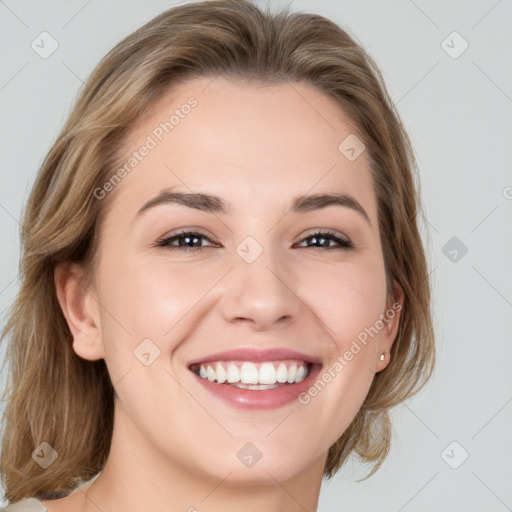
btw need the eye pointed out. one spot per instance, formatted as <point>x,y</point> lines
<point>191,241</point>
<point>322,237</point>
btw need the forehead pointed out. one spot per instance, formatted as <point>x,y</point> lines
<point>246,142</point>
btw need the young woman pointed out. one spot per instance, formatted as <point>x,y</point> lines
<point>223,286</point>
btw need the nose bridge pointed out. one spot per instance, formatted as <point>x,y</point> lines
<point>260,287</point>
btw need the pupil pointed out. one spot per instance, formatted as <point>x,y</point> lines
<point>188,240</point>
<point>318,239</point>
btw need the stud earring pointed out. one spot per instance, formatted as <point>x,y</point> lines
<point>382,356</point>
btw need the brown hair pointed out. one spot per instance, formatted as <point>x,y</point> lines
<point>56,397</point>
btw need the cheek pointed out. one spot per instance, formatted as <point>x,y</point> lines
<point>149,301</point>
<point>348,298</point>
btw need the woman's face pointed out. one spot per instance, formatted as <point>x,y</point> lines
<point>255,276</point>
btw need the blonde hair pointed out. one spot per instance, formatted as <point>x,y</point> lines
<point>53,395</point>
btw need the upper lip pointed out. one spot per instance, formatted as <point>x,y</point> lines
<point>256,356</point>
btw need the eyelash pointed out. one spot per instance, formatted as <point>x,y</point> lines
<point>344,244</point>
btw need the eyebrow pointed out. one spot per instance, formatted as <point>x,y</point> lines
<point>214,204</point>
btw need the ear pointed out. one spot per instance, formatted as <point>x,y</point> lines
<point>391,321</point>
<point>81,310</point>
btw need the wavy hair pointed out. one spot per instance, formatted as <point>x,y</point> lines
<point>54,396</point>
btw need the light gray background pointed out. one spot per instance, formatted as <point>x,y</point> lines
<point>458,112</point>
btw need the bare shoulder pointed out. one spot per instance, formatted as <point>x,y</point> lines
<point>25,505</point>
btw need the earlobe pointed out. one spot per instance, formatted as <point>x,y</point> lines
<point>80,308</point>
<point>389,333</point>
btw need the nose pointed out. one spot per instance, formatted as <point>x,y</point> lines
<point>261,294</point>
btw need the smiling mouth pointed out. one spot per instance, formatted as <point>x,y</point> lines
<point>251,375</point>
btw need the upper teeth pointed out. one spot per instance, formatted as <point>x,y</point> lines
<point>254,373</point>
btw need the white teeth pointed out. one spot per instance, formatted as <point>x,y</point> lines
<point>282,373</point>
<point>267,375</point>
<point>249,373</point>
<point>292,372</point>
<point>210,374</point>
<point>233,373</point>
<point>220,373</point>
<point>301,373</point>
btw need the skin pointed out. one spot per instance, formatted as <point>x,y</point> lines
<point>174,444</point>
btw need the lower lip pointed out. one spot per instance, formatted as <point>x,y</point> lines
<point>263,399</point>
